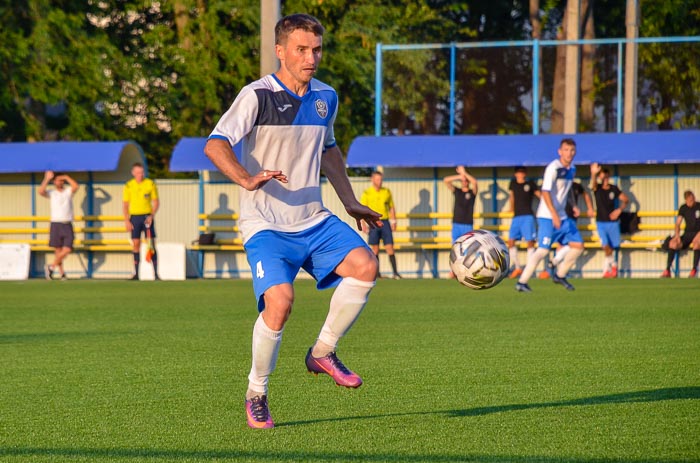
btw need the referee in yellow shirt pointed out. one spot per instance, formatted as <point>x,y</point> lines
<point>379,199</point>
<point>140,206</point>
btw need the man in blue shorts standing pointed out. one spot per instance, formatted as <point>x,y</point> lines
<point>464,188</point>
<point>522,227</point>
<point>610,202</point>
<point>553,225</point>
<point>285,122</point>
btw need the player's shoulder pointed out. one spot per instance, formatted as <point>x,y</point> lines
<point>129,183</point>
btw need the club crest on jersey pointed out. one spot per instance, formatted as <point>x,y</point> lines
<point>321,108</point>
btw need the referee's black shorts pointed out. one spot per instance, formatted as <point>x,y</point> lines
<point>139,224</point>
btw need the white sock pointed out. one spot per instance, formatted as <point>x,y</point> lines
<point>346,305</point>
<point>266,346</point>
<point>513,254</point>
<point>568,262</point>
<point>532,262</point>
<point>561,253</point>
<point>609,262</point>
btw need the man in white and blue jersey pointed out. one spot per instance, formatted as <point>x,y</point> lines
<point>285,123</point>
<point>553,223</point>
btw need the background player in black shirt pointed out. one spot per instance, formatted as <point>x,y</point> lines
<point>465,195</point>
<point>610,202</point>
<point>690,212</point>
<point>523,226</point>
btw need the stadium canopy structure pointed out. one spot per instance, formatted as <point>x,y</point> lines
<point>188,156</point>
<point>69,156</point>
<point>668,147</point>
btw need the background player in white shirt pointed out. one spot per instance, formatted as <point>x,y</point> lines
<point>285,122</point>
<point>61,228</point>
<point>553,223</point>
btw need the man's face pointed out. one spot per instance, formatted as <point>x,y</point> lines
<point>300,55</point>
<point>690,200</point>
<point>138,173</point>
<point>59,182</point>
<point>520,175</point>
<point>377,180</point>
<point>566,154</point>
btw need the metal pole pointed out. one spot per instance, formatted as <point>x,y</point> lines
<point>618,111</point>
<point>535,86</point>
<point>453,61</point>
<point>378,91</point>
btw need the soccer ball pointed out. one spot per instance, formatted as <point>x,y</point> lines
<point>479,259</point>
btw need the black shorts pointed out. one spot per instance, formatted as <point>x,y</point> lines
<point>61,235</point>
<point>687,239</point>
<point>384,233</point>
<point>139,223</point>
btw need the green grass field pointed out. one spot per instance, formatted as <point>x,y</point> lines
<point>114,371</point>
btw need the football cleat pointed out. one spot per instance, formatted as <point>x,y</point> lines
<point>333,367</point>
<point>516,273</point>
<point>48,272</point>
<point>666,274</point>
<point>562,281</point>
<point>523,287</point>
<point>258,413</point>
<point>613,272</point>
<point>693,273</point>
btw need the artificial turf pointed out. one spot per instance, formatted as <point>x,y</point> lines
<point>116,371</point>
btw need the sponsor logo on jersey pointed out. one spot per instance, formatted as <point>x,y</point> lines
<point>321,108</point>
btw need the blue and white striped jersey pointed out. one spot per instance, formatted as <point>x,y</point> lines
<point>281,131</point>
<point>557,181</point>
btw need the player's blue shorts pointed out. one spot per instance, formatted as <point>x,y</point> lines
<point>139,223</point>
<point>459,229</point>
<point>522,227</point>
<point>567,233</point>
<point>609,234</point>
<point>276,257</point>
<point>384,233</point>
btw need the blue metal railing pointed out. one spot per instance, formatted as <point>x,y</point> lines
<point>536,45</point>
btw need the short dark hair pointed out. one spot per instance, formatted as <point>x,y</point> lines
<point>567,141</point>
<point>136,164</point>
<point>687,193</point>
<point>289,24</point>
<point>376,172</point>
<point>520,169</point>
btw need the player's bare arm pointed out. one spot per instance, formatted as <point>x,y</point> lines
<point>222,156</point>
<point>73,184</point>
<point>48,176</point>
<point>333,166</point>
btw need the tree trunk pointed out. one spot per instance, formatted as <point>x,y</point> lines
<point>587,67</point>
<point>559,82</point>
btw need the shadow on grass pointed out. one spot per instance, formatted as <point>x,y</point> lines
<point>655,395</point>
<point>262,455</point>
<point>93,454</point>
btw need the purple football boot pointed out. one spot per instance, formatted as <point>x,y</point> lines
<point>332,366</point>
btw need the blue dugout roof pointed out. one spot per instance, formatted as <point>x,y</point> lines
<point>68,156</point>
<point>668,147</point>
<point>188,155</point>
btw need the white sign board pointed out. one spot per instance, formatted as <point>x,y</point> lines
<point>14,261</point>
<point>171,262</point>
